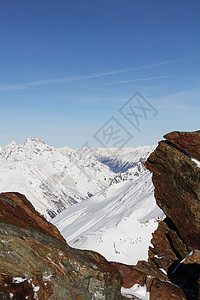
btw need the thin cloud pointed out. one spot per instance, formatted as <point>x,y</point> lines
<point>138,79</point>
<point>4,87</point>
<point>172,96</point>
<point>174,101</point>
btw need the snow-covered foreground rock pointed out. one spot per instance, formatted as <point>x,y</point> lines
<point>117,222</point>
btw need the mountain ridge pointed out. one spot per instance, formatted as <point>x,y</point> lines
<point>55,178</point>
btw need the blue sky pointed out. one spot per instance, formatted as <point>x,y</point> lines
<point>68,67</point>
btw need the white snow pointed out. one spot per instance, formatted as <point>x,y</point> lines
<point>52,179</point>
<point>137,291</point>
<point>196,161</point>
<point>46,277</point>
<point>35,288</point>
<point>163,271</point>
<point>117,222</point>
<point>55,178</point>
<point>18,279</point>
<point>158,257</point>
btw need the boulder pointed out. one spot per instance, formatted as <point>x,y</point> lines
<point>37,263</point>
<point>177,190</point>
<point>173,270</point>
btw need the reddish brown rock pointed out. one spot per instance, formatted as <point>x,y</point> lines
<point>193,258</point>
<point>177,190</point>
<point>130,275</point>
<point>141,274</point>
<point>17,210</point>
<point>172,270</point>
<point>32,250</point>
<point>176,242</point>
<point>167,248</point>
<point>36,262</point>
<point>165,291</point>
<point>186,141</point>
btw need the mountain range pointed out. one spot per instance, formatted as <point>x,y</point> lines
<point>145,214</point>
<point>55,178</point>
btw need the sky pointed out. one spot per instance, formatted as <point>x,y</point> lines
<point>98,73</point>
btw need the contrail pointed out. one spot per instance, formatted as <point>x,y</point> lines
<point>138,79</point>
<point>4,87</point>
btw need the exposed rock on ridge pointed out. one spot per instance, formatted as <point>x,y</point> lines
<point>177,189</point>
<point>36,262</point>
<point>173,267</point>
<point>186,141</point>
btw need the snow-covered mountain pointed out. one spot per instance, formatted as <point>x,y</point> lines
<point>117,222</point>
<point>100,199</point>
<point>130,174</point>
<point>55,178</point>
<point>51,178</point>
<point>120,160</point>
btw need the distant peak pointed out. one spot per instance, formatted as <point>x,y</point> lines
<point>13,143</point>
<point>33,141</point>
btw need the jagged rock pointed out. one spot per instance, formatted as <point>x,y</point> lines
<point>165,291</point>
<point>145,274</point>
<point>186,141</point>
<point>139,274</point>
<point>173,270</point>
<point>15,209</point>
<point>36,262</point>
<point>174,249</point>
<point>177,190</point>
<point>130,275</point>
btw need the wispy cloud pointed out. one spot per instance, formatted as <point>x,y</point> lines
<point>138,79</point>
<point>175,101</point>
<point>20,86</point>
<point>172,96</point>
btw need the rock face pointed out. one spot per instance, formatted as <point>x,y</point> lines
<point>36,262</point>
<point>177,189</point>
<point>173,267</point>
<point>186,141</point>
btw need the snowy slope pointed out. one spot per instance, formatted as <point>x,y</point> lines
<point>130,174</point>
<point>117,222</point>
<point>52,179</point>
<point>55,178</point>
<point>120,160</point>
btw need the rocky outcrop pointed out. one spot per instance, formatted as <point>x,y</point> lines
<point>186,141</point>
<point>177,189</point>
<point>173,269</point>
<point>36,262</point>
